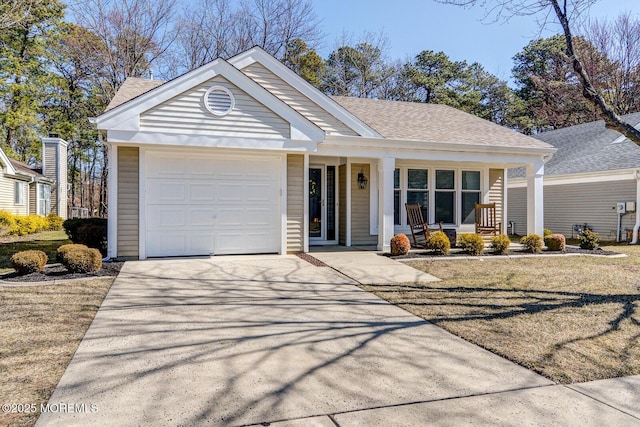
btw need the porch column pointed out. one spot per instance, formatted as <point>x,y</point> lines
<point>535,200</point>
<point>386,166</point>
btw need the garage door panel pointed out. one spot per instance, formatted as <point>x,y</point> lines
<point>199,204</point>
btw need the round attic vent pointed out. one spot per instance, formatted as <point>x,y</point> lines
<point>219,100</point>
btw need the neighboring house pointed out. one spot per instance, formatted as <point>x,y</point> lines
<point>594,169</point>
<point>26,190</point>
<point>244,156</point>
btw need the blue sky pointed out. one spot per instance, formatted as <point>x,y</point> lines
<point>415,25</point>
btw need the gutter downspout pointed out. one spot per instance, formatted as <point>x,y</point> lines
<point>636,227</point>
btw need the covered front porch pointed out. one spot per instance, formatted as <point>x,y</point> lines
<point>359,201</point>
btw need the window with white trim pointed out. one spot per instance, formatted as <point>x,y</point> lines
<point>44,199</point>
<point>418,190</point>
<point>445,196</point>
<point>18,189</point>
<point>469,195</point>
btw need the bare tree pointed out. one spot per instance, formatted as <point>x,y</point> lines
<point>619,41</point>
<point>567,12</point>
<point>133,35</point>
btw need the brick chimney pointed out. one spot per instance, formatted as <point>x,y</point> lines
<point>54,167</point>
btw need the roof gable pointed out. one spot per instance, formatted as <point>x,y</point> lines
<point>126,116</point>
<point>300,91</point>
<point>6,162</point>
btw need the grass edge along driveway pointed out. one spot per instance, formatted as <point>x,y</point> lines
<point>571,319</point>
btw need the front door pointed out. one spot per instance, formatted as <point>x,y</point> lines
<point>322,204</point>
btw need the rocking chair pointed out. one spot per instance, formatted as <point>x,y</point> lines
<point>420,230</point>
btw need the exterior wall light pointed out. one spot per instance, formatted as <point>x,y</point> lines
<point>362,180</point>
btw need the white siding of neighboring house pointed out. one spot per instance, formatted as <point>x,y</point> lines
<point>296,100</point>
<point>128,200</point>
<point>7,196</point>
<point>569,204</point>
<point>295,203</point>
<point>360,207</point>
<point>496,193</point>
<point>186,111</point>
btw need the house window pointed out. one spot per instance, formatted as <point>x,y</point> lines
<point>18,193</point>
<point>470,195</point>
<point>445,193</point>
<point>44,199</point>
<point>396,196</point>
<point>418,190</point>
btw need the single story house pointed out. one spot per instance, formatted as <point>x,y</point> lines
<point>26,190</point>
<point>243,156</point>
<point>594,171</point>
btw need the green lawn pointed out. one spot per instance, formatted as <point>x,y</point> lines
<point>47,241</point>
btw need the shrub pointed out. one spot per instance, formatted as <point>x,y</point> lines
<point>589,239</point>
<point>532,243</point>
<point>28,224</point>
<point>88,231</point>
<point>500,244</point>
<point>64,249</point>
<point>555,242</point>
<point>400,245</point>
<point>31,261</point>
<point>546,232</point>
<point>7,222</point>
<point>439,242</point>
<point>472,243</point>
<point>54,222</point>
<point>81,259</point>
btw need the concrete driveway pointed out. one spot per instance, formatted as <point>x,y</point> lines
<point>249,340</point>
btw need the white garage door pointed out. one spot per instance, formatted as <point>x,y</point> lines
<point>197,204</point>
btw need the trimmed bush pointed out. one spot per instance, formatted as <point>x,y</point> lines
<point>500,244</point>
<point>546,232</point>
<point>400,245</point>
<point>88,231</point>
<point>472,243</point>
<point>532,243</point>
<point>28,224</point>
<point>7,222</point>
<point>81,260</point>
<point>439,242</point>
<point>54,222</point>
<point>555,242</point>
<point>589,239</point>
<point>31,261</point>
<point>64,249</point>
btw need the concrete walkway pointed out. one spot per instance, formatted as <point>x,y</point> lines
<point>253,340</point>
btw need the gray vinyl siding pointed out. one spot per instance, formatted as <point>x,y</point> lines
<point>7,196</point>
<point>565,205</point>
<point>128,200</point>
<point>360,218</point>
<point>342,202</point>
<point>296,100</point>
<point>496,193</point>
<point>569,204</point>
<point>55,168</point>
<point>295,203</point>
<point>33,200</point>
<point>517,209</point>
<point>186,112</point>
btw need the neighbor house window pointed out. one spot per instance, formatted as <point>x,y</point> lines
<point>418,190</point>
<point>470,195</point>
<point>44,199</point>
<point>19,193</point>
<point>445,193</point>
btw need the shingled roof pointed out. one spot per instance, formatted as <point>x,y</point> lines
<point>132,88</point>
<point>413,121</point>
<point>25,169</point>
<point>404,121</point>
<point>589,147</point>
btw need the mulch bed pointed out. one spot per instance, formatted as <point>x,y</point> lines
<point>58,272</point>
<point>456,252</point>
